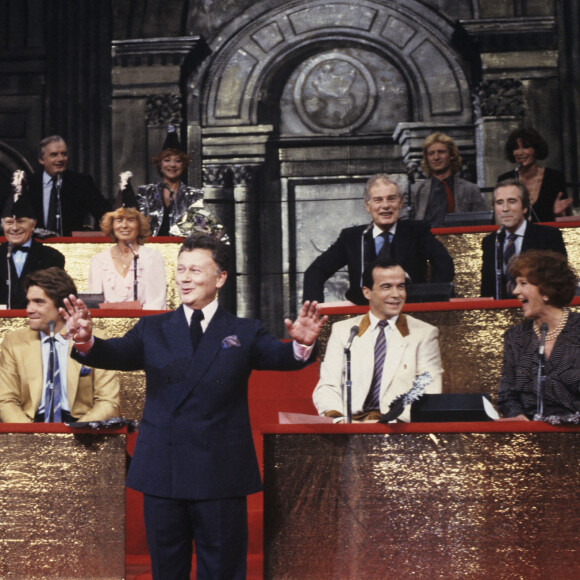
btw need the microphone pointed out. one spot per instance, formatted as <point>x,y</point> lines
<point>353,333</point>
<point>135,260</point>
<point>517,169</point>
<point>51,325</point>
<point>543,333</point>
<point>9,250</point>
<point>58,183</point>
<point>501,233</point>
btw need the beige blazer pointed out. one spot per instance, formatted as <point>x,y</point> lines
<point>412,348</point>
<point>92,397</point>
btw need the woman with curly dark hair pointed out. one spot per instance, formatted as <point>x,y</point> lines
<point>545,285</point>
<point>525,147</point>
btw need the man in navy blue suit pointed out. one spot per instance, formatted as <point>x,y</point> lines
<point>410,243</point>
<point>194,460</point>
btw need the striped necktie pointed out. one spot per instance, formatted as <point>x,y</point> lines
<point>373,400</point>
<point>52,399</point>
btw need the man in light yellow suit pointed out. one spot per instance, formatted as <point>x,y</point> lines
<point>39,382</point>
<point>410,348</point>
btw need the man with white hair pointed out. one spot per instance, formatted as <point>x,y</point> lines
<point>409,242</point>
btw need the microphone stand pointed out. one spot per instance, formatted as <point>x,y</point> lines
<point>499,238</point>
<point>58,217</point>
<point>362,250</point>
<point>347,388</point>
<point>346,375</point>
<point>541,374</point>
<point>49,405</point>
<point>9,271</point>
<point>135,264</point>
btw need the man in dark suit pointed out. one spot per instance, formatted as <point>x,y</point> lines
<point>195,460</point>
<point>79,195</point>
<point>20,254</point>
<point>511,205</point>
<point>410,243</point>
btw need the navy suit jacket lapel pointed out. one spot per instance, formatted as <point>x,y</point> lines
<point>528,235</point>
<point>207,350</point>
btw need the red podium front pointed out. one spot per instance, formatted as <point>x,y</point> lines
<point>425,501</point>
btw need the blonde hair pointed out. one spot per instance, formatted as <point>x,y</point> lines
<point>108,219</point>
<point>454,157</point>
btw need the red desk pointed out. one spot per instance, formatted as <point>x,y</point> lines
<point>425,501</point>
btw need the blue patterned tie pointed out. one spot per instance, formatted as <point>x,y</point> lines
<point>52,404</point>
<point>383,244</point>
<point>373,401</point>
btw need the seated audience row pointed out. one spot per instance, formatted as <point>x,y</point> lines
<point>62,199</point>
<point>445,193</point>
<point>413,246</point>
<point>395,358</point>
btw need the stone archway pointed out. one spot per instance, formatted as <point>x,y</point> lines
<point>416,38</point>
<point>306,98</point>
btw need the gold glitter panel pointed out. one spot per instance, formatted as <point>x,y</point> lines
<point>62,506</point>
<point>78,258</point>
<point>425,506</point>
<point>465,249</point>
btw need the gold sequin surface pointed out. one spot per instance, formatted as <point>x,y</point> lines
<point>62,505</point>
<point>425,506</point>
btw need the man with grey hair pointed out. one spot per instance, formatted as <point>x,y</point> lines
<point>62,198</point>
<point>511,206</point>
<point>409,242</point>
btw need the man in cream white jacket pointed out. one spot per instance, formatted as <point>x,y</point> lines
<point>411,349</point>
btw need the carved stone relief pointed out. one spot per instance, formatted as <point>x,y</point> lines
<point>344,91</point>
<point>163,109</point>
<point>249,61</point>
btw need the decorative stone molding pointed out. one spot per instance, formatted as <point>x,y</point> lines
<point>155,51</point>
<point>216,175</point>
<point>499,98</point>
<point>163,109</point>
<point>520,33</point>
<point>245,175</point>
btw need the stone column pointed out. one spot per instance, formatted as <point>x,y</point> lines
<point>219,199</point>
<point>237,154</point>
<point>247,235</point>
<point>499,108</point>
<point>147,96</point>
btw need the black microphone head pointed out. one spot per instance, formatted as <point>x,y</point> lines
<point>9,250</point>
<point>51,325</point>
<point>501,233</point>
<point>544,328</point>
